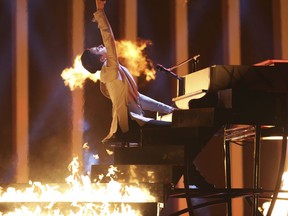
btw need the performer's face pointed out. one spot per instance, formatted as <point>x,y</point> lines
<point>99,50</point>
<point>92,58</point>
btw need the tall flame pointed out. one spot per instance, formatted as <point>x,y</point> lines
<point>131,54</point>
<point>134,58</point>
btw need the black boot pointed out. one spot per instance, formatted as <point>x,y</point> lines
<point>196,179</point>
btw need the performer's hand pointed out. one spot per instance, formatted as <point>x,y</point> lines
<point>100,4</point>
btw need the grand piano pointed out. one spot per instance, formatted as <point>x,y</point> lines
<point>225,95</point>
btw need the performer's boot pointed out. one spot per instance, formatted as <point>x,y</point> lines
<point>196,179</point>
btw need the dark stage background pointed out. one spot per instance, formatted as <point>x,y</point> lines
<point>50,52</point>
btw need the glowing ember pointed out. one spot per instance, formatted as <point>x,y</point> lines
<point>96,156</point>
<point>281,206</point>
<point>85,146</point>
<point>109,152</point>
<point>85,198</point>
<point>134,58</point>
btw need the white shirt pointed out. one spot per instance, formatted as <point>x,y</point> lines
<point>118,84</point>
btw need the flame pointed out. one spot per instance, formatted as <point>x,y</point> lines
<point>76,76</point>
<point>281,205</point>
<point>86,198</point>
<point>132,56</point>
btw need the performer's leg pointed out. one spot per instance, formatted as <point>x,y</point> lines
<point>157,124</point>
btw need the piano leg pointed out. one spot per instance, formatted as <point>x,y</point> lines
<point>186,179</point>
<point>234,134</point>
<point>281,170</point>
<point>256,170</point>
<point>227,169</point>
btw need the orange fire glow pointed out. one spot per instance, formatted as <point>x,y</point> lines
<point>80,196</point>
<point>281,205</point>
<point>75,76</point>
<point>131,54</point>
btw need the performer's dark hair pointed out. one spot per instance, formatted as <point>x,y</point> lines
<point>91,61</point>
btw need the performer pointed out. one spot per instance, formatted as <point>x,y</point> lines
<point>118,85</point>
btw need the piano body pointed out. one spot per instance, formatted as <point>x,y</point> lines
<point>222,95</point>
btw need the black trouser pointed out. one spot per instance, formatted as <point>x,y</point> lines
<point>134,133</point>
